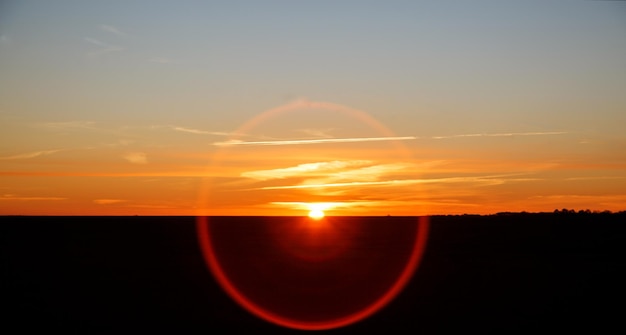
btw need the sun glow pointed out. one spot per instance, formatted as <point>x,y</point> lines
<point>316,211</point>
<point>316,214</point>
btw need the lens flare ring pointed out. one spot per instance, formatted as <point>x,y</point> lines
<point>316,213</point>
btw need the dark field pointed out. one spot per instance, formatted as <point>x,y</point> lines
<point>502,273</point>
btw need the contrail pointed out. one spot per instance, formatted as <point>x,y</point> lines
<point>315,141</point>
<point>375,139</point>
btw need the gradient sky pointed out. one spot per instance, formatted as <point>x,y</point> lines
<point>265,107</point>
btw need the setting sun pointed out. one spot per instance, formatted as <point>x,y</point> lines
<point>316,214</point>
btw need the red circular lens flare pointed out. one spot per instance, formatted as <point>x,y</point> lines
<point>221,267</point>
<point>316,272</point>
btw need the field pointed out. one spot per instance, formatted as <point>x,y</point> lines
<point>507,272</point>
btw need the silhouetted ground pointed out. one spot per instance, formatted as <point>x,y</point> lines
<point>501,273</point>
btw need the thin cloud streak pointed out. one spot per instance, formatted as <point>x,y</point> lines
<point>368,173</point>
<point>314,141</point>
<point>501,134</point>
<point>332,172</point>
<point>97,42</point>
<point>327,205</point>
<point>581,201</point>
<point>112,29</point>
<point>491,180</point>
<point>164,174</point>
<point>153,206</point>
<point>105,47</point>
<point>31,154</point>
<point>11,197</point>
<point>375,139</point>
<point>302,169</point>
<point>192,131</point>
<point>596,178</point>
<point>107,201</point>
<point>202,132</point>
<point>359,183</point>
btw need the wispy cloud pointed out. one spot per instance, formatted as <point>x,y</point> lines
<point>580,201</point>
<point>192,131</point>
<point>187,130</point>
<point>349,184</point>
<point>112,29</point>
<point>107,201</point>
<point>501,134</point>
<point>153,206</point>
<point>152,174</point>
<point>484,180</point>
<point>13,197</point>
<point>314,141</point>
<point>326,205</point>
<point>368,173</point>
<point>201,132</point>
<point>136,157</point>
<point>97,42</point>
<point>33,154</point>
<point>596,178</point>
<point>342,173</point>
<point>376,139</point>
<point>303,169</point>
<point>104,47</point>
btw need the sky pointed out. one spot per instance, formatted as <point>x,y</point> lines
<point>280,107</point>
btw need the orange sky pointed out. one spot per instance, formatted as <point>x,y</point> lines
<point>370,171</point>
<point>401,108</point>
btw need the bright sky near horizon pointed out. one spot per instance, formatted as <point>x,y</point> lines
<point>275,107</point>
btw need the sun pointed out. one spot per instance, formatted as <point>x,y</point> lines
<point>316,209</point>
<point>316,214</point>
